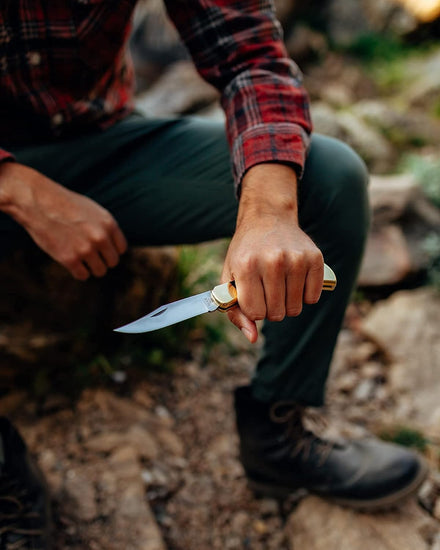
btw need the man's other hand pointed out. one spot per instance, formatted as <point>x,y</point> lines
<point>74,230</point>
<point>276,266</point>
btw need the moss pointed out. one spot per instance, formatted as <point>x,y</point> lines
<point>408,437</point>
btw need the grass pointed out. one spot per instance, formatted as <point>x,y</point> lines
<point>408,437</point>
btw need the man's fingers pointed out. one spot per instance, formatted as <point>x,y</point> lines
<point>119,240</point>
<point>247,327</point>
<point>109,254</point>
<point>250,296</point>
<point>79,271</point>
<point>275,293</point>
<point>96,264</point>
<point>313,284</point>
<point>295,292</point>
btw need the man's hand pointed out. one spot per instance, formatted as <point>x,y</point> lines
<point>275,265</point>
<point>74,230</point>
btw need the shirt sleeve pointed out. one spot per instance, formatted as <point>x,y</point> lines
<point>238,47</point>
<point>5,155</point>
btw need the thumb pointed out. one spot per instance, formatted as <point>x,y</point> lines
<point>247,327</point>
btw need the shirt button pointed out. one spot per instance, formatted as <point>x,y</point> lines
<point>57,119</point>
<point>34,58</point>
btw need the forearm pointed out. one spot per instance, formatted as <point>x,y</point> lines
<point>269,189</point>
<point>74,230</point>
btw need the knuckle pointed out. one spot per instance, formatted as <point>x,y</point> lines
<point>69,260</point>
<point>99,237</point>
<point>84,250</point>
<point>316,260</point>
<point>248,263</point>
<point>277,260</point>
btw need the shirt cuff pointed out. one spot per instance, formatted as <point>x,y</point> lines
<point>286,143</point>
<point>5,155</point>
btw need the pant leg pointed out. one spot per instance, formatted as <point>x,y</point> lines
<point>165,181</point>
<point>169,182</point>
<point>334,212</point>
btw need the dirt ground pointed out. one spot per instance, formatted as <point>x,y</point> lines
<point>150,462</point>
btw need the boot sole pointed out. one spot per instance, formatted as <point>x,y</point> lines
<point>371,505</point>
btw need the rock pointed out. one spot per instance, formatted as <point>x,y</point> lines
<point>402,219</point>
<point>304,44</point>
<point>367,141</point>
<point>391,196</point>
<point>318,525</point>
<point>346,126</point>
<point>387,259</point>
<point>145,445</point>
<point>154,42</point>
<point>133,526</point>
<point>364,390</point>
<point>403,127</point>
<point>407,327</point>
<point>170,442</point>
<point>423,86</point>
<point>79,496</point>
<point>325,120</point>
<point>180,90</point>
<point>347,20</point>
<point>385,16</point>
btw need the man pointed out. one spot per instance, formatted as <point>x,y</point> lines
<point>82,175</point>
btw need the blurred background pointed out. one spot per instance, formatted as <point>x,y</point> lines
<point>135,434</point>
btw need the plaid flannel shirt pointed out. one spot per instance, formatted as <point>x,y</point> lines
<point>65,68</point>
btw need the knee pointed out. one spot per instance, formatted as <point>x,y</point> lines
<point>336,181</point>
<point>354,193</point>
<point>350,205</point>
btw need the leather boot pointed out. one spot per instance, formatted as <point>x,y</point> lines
<point>24,503</point>
<point>280,456</point>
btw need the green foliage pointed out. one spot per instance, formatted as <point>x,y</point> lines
<point>199,270</point>
<point>373,47</point>
<point>199,267</point>
<point>436,109</point>
<point>408,437</point>
<point>386,58</point>
<point>427,172</point>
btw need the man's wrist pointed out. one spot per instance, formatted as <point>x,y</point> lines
<point>15,188</point>
<point>270,187</point>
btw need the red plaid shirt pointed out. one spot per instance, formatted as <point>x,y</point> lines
<point>65,68</point>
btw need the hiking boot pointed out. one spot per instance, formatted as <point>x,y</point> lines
<point>280,456</point>
<point>24,508</point>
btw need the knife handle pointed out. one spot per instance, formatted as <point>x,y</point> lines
<point>225,295</point>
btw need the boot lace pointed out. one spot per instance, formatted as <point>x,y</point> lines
<point>17,519</point>
<point>303,440</point>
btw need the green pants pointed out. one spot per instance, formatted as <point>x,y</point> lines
<point>169,182</point>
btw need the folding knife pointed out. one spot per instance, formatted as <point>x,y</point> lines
<point>222,298</point>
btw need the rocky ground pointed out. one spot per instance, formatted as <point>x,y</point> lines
<point>152,463</point>
<point>142,456</point>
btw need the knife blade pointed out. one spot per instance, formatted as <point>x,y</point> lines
<point>222,298</point>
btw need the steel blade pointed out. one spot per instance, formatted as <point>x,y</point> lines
<point>171,314</point>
